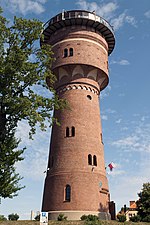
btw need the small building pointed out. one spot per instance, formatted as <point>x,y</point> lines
<point>131,211</point>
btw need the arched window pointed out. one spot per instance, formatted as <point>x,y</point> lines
<point>94,160</point>
<point>71,52</point>
<point>90,159</point>
<point>73,131</point>
<point>65,52</point>
<point>101,138</point>
<point>68,193</point>
<point>67,131</point>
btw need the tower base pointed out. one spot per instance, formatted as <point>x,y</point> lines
<point>76,215</point>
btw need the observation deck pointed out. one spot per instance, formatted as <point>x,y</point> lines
<point>82,18</point>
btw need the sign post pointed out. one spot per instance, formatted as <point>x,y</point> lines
<point>44,218</point>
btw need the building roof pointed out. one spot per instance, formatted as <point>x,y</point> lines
<point>80,17</point>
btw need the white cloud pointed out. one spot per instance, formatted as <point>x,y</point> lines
<point>36,154</point>
<point>132,180</point>
<point>27,6</point>
<point>147,14</point>
<point>118,121</point>
<point>131,20</point>
<point>125,188</point>
<point>106,92</point>
<point>138,141</point>
<point>130,141</point>
<point>121,19</point>
<point>108,11</point>
<point>118,22</point>
<point>124,128</point>
<point>111,111</point>
<point>104,10</point>
<point>104,117</point>
<point>131,38</point>
<point>121,95</point>
<point>122,62</point>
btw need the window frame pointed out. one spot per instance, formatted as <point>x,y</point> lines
<point>94,160</point>
<point>90,159</point>
<point>67,193</point>
<point>67,132</point>
<point>65,54</point>
<point>73,131</point>
<point>70,52</point>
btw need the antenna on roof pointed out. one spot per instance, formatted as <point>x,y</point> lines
<point>63,14</point>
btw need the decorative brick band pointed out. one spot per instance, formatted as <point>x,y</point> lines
<point>80,86</point>
<point>85,38</point>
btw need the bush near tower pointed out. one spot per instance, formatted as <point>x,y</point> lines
<point>23,68</point>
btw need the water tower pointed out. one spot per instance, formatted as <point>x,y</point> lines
<point>76,181</point>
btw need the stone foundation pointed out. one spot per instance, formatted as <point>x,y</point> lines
<point>76,215</point>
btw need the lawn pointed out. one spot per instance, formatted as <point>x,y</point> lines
<point>29,222</point>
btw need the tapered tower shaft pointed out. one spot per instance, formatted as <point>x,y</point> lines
<point>76,181</point>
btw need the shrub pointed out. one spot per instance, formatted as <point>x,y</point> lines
<point>2,217</point>
<point>92,218</point>
<point>121,217</point>
<point>13,216</point>
<point>146,218</point>
<point>83,217</point>
<point>61,217</point>
<point>37,217</point>
<point>135,218</point>
<point>89,217</point>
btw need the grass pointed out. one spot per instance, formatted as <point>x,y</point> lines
<point>101,222</point>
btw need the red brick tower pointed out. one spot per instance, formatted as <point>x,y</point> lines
<point>76,182</point>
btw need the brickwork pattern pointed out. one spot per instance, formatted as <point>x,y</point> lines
<point>80,78</point>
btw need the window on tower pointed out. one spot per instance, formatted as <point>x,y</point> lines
<point>94,160</point>
<point>101,137</point>
<point>89,97</point>
<point>65,52</point>
<point>68,193</point>
<point>90,159</point>
<point>67,131</point>
<point>71,52</point>
<point>52,161</point>
<point>73,131</point>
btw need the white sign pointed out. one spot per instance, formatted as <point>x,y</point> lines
<point>44,218</point>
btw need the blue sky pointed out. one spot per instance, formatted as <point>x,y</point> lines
<point>125,104</point>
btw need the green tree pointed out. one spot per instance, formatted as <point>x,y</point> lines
<point>143,203</point>
<point>13,216</point>
<point>121,217</point>
<point>61,217</point>
<point>2,217</point>
<point>24,66</point>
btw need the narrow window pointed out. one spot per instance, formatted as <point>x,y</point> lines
<point>73,131</point>
<point>52,162</point>
<point>71,52</point>
<point>68,193</point>
<point>90,159</point>
<point>67,131</point>
<point>101,138</point>
<point>94,160</point>
<point>65,52</point>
